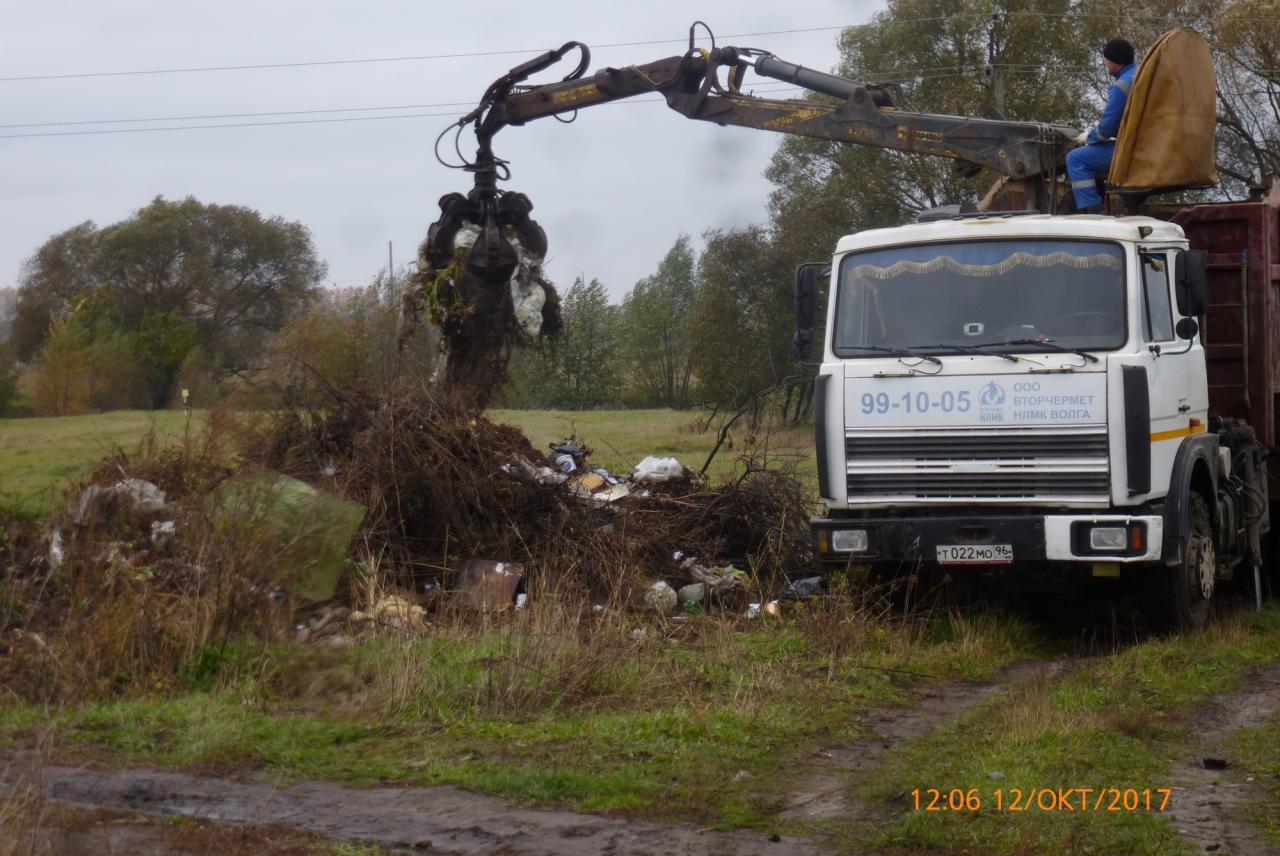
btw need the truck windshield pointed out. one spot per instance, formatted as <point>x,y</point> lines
<point>929,296</point>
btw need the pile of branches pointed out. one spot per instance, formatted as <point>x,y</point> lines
<point>436,479</point>
<point>426,468</point>
<point>759,522</point>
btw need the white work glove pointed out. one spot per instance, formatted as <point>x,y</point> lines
<point>1083,138</point>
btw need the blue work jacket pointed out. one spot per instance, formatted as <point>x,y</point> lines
<point>1117,96</point>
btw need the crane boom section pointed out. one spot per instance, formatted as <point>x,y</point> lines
<point>866,115</point>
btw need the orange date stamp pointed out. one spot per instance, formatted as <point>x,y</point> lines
<point>1131,800</point>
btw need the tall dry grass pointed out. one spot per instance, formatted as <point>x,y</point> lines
<point>118,611</point>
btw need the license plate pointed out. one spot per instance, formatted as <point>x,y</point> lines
<point>975,554</point>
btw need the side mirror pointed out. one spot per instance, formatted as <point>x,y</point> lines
<point>806,305</point>
<point>1187,328</point>
<point>1190,283</point>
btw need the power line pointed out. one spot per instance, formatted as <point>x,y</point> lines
<point>511,52</point>
<point>65,123</point>
<point>239,115</point>
<point>896,75</point>
<point>99,132</point>
<point>459,55</point>
<point>928,74</point>
<point>230,125</point>
<point>887,76</point>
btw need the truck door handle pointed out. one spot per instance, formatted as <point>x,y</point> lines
<point>1183,408</point>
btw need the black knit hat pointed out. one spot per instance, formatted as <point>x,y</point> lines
<point>1119,51</point>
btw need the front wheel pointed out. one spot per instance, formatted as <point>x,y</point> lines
<point>1183,596</point>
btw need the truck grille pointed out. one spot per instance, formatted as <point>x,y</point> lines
<point>1009,464</point>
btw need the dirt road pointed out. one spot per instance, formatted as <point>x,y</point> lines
<point>1210,817</point>
<point>1212,795</point>
<point>435,820</point>
<point>822,789</point>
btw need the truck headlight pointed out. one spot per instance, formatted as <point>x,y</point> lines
<point>849,540</point>
<point>1109,538</point>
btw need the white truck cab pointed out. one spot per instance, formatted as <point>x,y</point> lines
<point>1008,388</point>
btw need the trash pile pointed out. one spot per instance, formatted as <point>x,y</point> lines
<point>370,516</point>
<point>568,466</point>
<point>725,587</point>
<point>444,488</point>
<point>443,498</point>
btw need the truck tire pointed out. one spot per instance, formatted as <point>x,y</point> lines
<point>1184,595</point>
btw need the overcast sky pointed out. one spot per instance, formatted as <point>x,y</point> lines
<point>612,190</point>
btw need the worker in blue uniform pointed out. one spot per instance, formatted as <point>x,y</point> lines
<point>1095,147</point>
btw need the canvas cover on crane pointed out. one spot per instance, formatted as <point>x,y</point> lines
<point>1166,139</point>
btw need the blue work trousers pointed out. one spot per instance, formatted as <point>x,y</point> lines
<point>1084,165</point>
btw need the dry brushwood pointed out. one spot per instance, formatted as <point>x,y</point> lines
<point>430,472</point>
<point>426,468</point>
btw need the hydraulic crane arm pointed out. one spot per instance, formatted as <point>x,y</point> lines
<point>869,115</point>
<point>1028,155</point>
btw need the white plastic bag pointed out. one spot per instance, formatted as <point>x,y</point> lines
<point>658,470</point>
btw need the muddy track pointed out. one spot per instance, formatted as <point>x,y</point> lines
<point>1209,804</point>
<point>435,819</point>
<point>67,831</point>
<point>824,791</point>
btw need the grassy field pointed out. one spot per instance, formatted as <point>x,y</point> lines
<point>38,456</point>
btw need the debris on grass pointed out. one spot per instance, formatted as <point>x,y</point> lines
<point>661,598</point>
<point>489,586</point>
<point>306,533</point>
<point>134,498</point>
<point>331,524</point>
<point>661,470</point>
<point>695,592</point>
<point>804,588</point>
<point>394,612</point>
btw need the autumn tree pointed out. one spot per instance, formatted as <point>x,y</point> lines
<point>742,315</point>
<point>656,338</point>
<point>8,378</point>
<point>59,271</point>
<point>59,381</point>
<point>347,338</point>
<point>229,273</point>
<point>579,368</point>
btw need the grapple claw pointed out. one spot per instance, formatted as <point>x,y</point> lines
<point>499,217</point>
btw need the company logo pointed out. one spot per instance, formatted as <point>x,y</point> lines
<point>991,395</point>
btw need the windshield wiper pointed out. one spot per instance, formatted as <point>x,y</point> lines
<point>968,349</point>
<point>1047,343</point>
<point>897,352</point>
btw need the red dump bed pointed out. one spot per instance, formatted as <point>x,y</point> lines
<point>1241,331</point>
